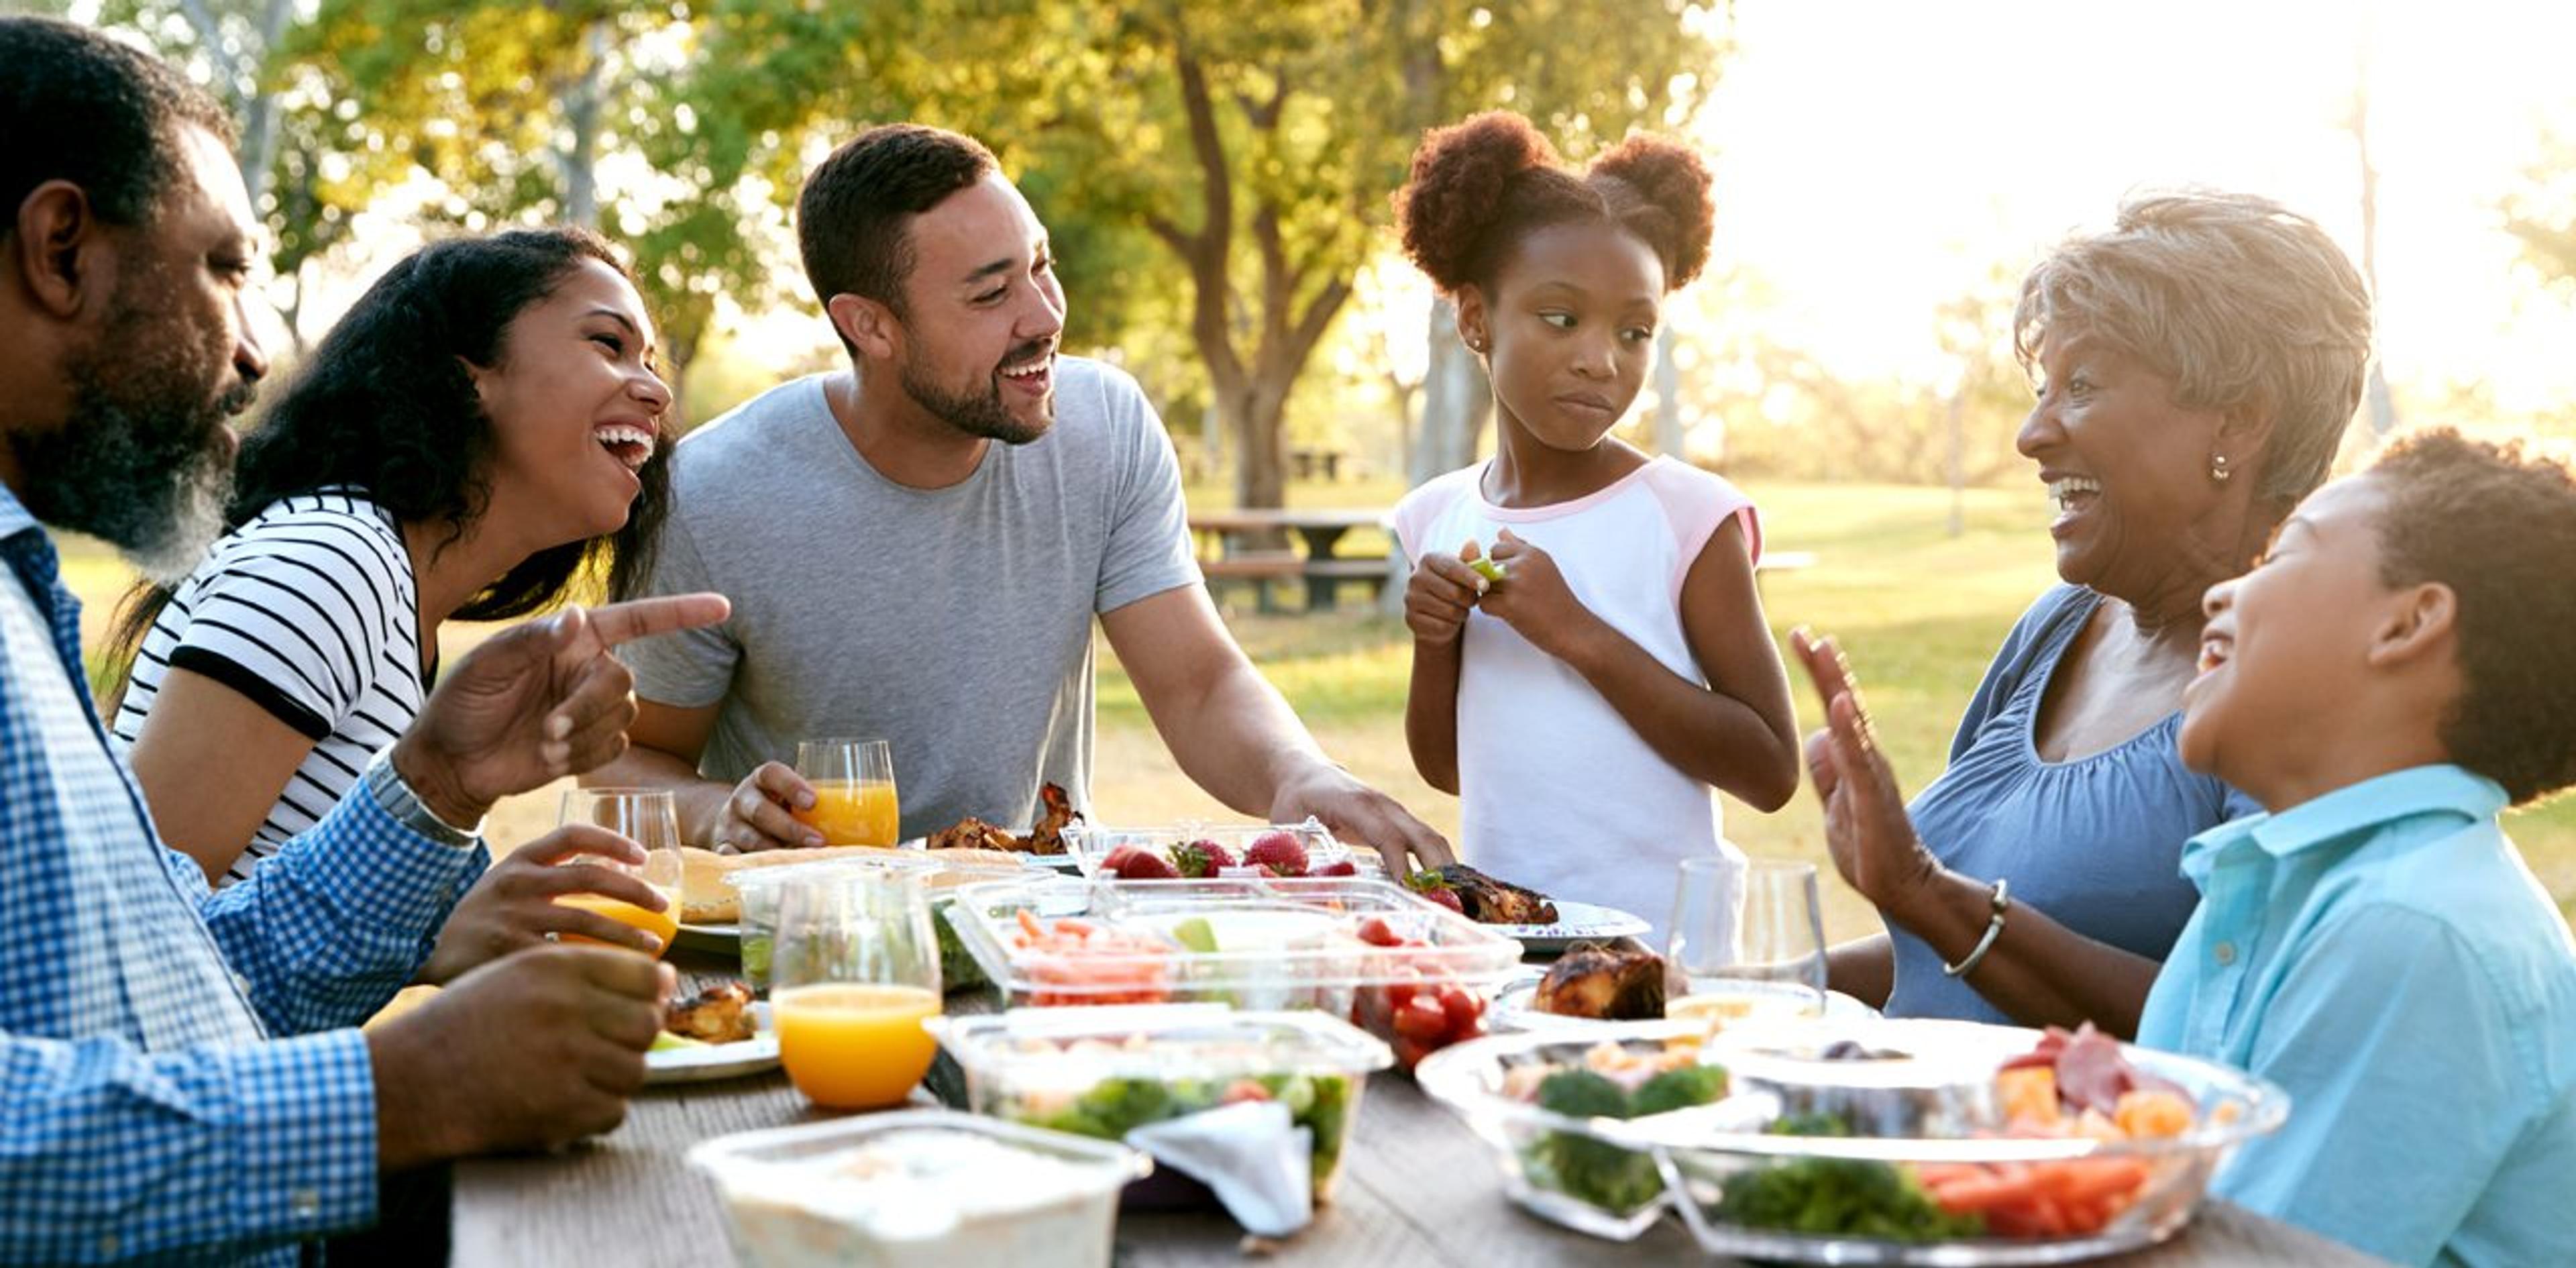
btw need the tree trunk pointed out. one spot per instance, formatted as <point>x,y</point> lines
<point>1256,414</point>
<point>580,158</point>
<point>1668,398</point>
<point>1457,402</point>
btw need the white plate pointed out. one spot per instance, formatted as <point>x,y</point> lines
<point>717,1060</point>
<point>1515,1008</point>
<point>1576,922</point>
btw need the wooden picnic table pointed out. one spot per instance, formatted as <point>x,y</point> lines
<point>1323,568</point>
<point>1416,1188</point>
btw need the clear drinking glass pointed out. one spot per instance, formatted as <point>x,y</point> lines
<point>649,817</point>
<point>853,970</point>
<point>1747,940</point>
<point>854,798</point>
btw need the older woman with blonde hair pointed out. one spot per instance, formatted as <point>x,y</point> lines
<point>2196,367</point>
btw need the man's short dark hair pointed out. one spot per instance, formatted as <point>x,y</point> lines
<point>2498,526</point>
<point>852,218</point>
<point>77,106</point>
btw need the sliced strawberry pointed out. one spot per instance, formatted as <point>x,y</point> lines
<point>1465,1012</point>
<point>1376,932</point>
<point>1339,867</point>
<point>1129,863</point>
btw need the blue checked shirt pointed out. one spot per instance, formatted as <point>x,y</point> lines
<point>2382,953</point>
<point>179,1076</point>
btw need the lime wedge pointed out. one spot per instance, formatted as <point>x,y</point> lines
<point>1196,934</point>
<point>1487,569</point>
<point>666,1041</point>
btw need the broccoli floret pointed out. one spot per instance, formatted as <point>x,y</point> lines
<point>1679,1089</point>
<point>1582,1094</point>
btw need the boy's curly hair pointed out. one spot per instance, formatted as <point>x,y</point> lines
<point>1481,186</point>
<point>2497,525</point>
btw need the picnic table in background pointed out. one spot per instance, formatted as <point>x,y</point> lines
<point>1416,1188</point>
<point>1238,552</point>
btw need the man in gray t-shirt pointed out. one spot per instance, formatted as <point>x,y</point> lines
<point>896,573</point>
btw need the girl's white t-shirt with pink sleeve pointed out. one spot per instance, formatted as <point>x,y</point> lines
<point>1556,791</point>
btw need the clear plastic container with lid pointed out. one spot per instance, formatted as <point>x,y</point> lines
<point>1104,1071</point>
<point>919,1189</point>
<point>1253,944</point>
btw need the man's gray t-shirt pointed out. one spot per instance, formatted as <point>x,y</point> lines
<point>954,622</point>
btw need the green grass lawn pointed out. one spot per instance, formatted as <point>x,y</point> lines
<point>1920,613</point>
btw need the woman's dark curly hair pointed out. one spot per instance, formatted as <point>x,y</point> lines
<point>2496,524</point>
<point>385,405</point>
<point>1481,186</point>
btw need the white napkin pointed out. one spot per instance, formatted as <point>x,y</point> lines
<point>1259,1166</point>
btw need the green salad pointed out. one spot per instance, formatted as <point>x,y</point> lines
<point>1320,1103</point>
<point>1610,1176</point>
<point>1840,1197</point>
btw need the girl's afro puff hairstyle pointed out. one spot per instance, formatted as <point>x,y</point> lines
<point>1482,185</point>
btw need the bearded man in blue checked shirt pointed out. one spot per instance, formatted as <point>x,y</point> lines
<point>179,1071</point>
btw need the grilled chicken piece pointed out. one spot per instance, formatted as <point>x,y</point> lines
<point>1493,902</point>
<point>971,833</point>
<point>1595,981</point>
<point>1048,836</point>
<point>718,1014</point>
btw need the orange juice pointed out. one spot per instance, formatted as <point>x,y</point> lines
<point>854,812</point>
<point>855,1047</point>
<point>661,924</point>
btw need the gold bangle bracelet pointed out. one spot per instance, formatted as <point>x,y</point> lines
<point>2001,901</point>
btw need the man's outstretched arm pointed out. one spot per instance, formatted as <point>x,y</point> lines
<point>1235,736</point>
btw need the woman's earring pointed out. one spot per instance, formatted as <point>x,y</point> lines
<point>2218,468</point>
<point>1476,343</point>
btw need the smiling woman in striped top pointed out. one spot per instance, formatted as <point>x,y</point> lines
<point>480,433</point>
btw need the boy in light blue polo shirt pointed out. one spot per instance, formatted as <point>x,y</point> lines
<point>2399,667</point>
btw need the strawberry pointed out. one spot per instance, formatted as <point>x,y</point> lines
<point>1200,859</point>
<point>1278,851</point>
<point>1376,932</point>
<point>1267,871</point>
<point>1339,867</point>
<point>1434,886</point>
<point>1446,897</point>
<point>1128,863</point>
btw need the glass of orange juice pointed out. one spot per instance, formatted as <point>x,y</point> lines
<point>649,817</point>
<point>853,971</point>
<point>854,801</point>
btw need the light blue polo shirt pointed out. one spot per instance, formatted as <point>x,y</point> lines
<point>2382,953</point>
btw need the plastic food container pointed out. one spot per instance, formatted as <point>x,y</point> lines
<point>918,1189</point>
<point>1090,845</point>
<point>1746,1186</point>
<point>1253,944</point>
<point>1594,1174</point>
<point>1103,1071</point>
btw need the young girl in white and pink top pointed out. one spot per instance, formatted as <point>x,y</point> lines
<point>1587,707</point>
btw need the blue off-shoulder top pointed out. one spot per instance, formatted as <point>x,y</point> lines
<point>2096,842</point>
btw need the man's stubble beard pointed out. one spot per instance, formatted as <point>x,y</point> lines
<point>983,416</point>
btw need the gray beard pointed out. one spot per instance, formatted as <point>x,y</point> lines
<point>149,482</point>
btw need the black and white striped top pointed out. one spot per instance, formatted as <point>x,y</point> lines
<point>310,611</point>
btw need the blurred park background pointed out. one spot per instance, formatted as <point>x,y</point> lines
<point>1217,177</point>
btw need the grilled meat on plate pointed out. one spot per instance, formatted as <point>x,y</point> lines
<point>1599,982</point>
<point>1493,902</point>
